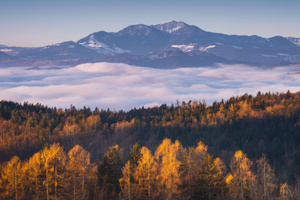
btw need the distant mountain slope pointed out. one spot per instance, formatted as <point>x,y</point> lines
<point>296,41</point>
<point>5,57</point>
<point>148,46</point>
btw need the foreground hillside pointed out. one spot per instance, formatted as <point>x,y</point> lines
<point>265,124</point>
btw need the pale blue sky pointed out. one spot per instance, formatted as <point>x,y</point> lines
<point>43,22</point>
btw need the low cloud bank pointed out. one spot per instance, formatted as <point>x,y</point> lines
<point>121,86</point>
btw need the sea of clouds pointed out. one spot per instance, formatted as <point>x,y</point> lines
<point>121,86</point>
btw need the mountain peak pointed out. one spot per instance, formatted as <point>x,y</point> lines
<point>171,26</point>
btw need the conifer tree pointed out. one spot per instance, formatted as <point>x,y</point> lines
<point>209,181</point>
<point>109,173</point>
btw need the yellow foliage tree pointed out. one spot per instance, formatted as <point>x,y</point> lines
<point>12,180</point>
<point>169,158</point>
<point>78,161</point>
<point>34,170</point>
<point>145,174</point>
<point>53,159</point>
<point>243,178</point>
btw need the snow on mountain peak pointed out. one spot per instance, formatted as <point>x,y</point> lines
<point>102,48</point>
<point>171,26</point>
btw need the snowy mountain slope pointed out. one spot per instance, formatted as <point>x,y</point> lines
<point>184,45</point>
<point>60,51</point>
<point>296,41</point>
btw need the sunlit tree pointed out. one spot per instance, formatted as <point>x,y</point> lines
<point>78,162</point>
<point>243,178</point>
<point>145,175</point>
<point>169,158</point>
<point>12,179</point>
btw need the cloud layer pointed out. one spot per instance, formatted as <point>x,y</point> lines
<point>121,86</point>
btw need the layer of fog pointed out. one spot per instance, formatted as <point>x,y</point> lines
<point>121,86</point>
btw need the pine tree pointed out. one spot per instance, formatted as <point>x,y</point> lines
<point>109,173</point>
<point>209,181</point>
<point>135,155</point>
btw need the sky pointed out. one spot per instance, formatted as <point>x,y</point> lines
<point>123,87</point>
<point>33,23</point>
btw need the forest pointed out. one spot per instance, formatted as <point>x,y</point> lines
<point>244,148</point>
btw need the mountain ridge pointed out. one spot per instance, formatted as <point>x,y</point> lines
<point>140,42</point>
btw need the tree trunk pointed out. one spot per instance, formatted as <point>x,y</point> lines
<point>16,184</point>
<point>129,181</point>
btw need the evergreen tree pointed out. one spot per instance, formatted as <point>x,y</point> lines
<point>109,173</point>
<point>209,181</point>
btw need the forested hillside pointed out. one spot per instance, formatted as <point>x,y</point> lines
<point>243,127</point>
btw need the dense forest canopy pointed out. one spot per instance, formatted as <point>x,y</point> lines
<point>265,124</point>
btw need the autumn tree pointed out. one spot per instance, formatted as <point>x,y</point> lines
<point>266,179</point>
<point>284,192</point>
<point>53,159</point>
<point>242,177</point>
<point>127,182</point>
<point>11,180</point>
<point>78,162</point>
<point>35,171</point>
<point>145,174</point>
<point>169,158</point>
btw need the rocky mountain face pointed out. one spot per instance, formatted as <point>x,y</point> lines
<point>168,45</point>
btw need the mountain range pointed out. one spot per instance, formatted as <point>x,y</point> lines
<point>167,45</point>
